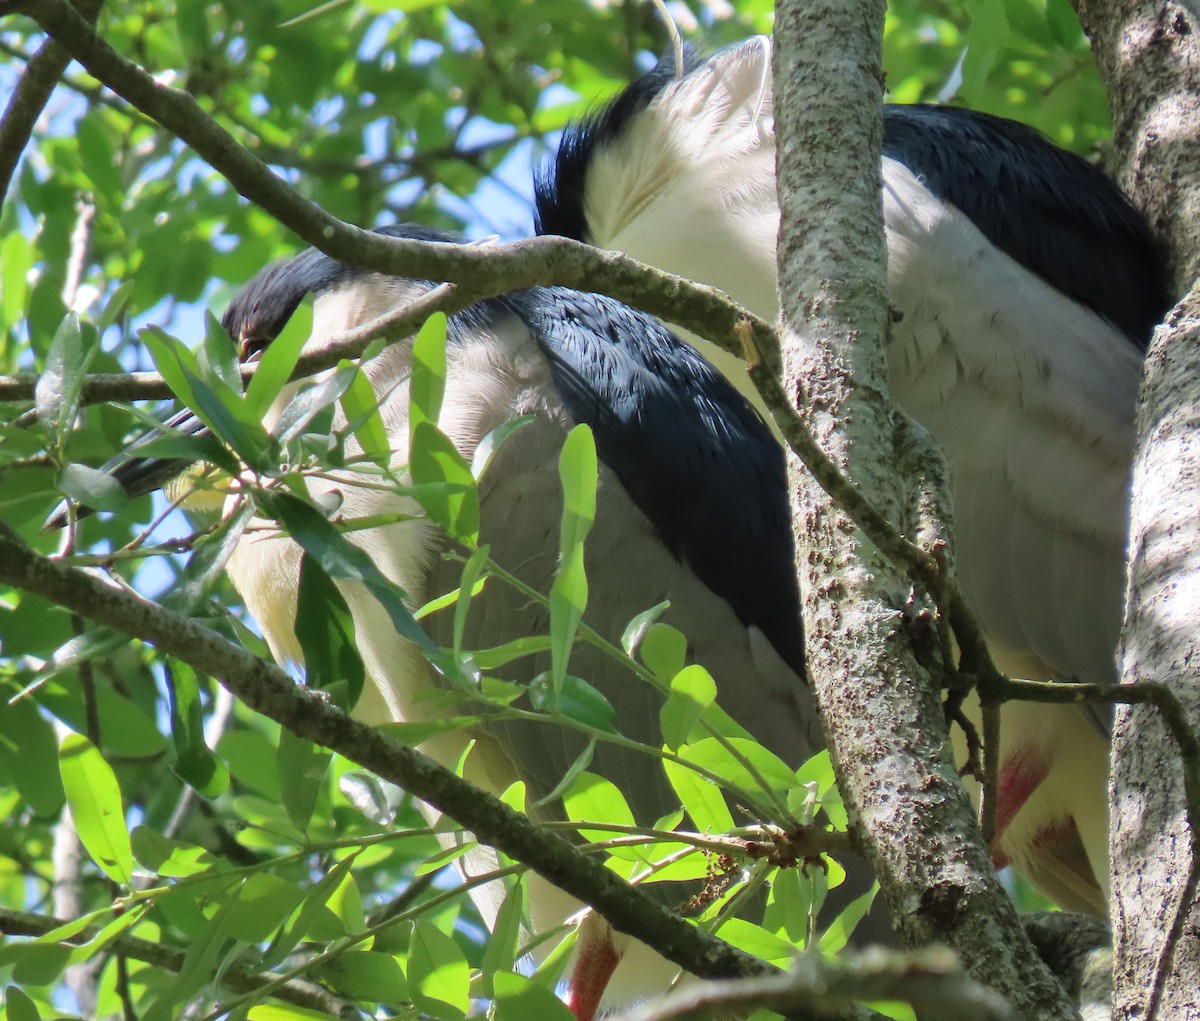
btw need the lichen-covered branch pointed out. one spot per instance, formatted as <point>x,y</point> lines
<point>1148,52</point>
<point>881,708</point>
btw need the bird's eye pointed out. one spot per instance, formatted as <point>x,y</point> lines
<point>253,345</point>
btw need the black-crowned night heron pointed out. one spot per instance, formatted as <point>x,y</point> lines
<point>1025,288</point>
<point>691,508</point>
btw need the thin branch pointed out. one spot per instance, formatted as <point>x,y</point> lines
<point>91,92</point>
<point>29,99</point>
<point>486,270</point>
<point>149,386</point>
<point>495,271</point>
<point>267,689</point>
<point>931,980</point>
<point>237,976</point>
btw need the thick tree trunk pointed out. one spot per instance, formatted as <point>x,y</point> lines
<point>881,707</point>
<point>1148,54</point>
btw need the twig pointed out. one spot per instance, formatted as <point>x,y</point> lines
<point>29,98</point>
<point>267,689</point>
<point>237,976</point>
<point>931,980</point>
<point>496,270</point>
<point>147,386</point>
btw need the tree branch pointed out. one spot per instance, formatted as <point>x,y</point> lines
<point>1149,56</point>
<point>881,709</point>
<point>484,271</point>
<point>1148,52</point>
<point>37,83</point>
<point>238,976</point>
<point>266,689</point>
<point>931,980</point>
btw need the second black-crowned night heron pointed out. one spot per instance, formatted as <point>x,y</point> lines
<point>691,508</point>
<point>1024,289</point>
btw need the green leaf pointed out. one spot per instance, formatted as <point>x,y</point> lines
<point>115,307</point>
<point>362,413</point>
<point>171,358</point>
<point>41,965</point>
<point>568,600</point>
<point>450,598</point>
<point>500,950</point>
<point>29,752</point>
<point>218,360</point>
<point>788,906</point>
<point>703,800</point>
<point>100,162</point>
<point>283,1012</point>
<point>1064,23</point>
<point>306,917</point>
<point>518,648</point>
<point>174,859</point>
<point>95,800</point>
<point>692,691</point>
<point>302,410</point>
<point>56,395</point>
<point>206,565</point>
<point>985,39</point>
<point>128,732</point>
<point>252,758</point>
<point>594,799</point>
<point>636,629</point>
<point>377,799</point>
<point>325,629</point>
<point>115,927</point>
<point>428,384</point>
<point>92,488</point>
<point>195,764</point>
<point>90,645</point>
<point>467,588</point>
<point>16,260</point>
<point>302,769</point>
<point>263,904</point>
<point>18,1006</point>
<point>274,368</point>
<point>897,1009</point>
<point>518,998</point>
<point>835,938</point>
<point>227,415</point>
<point>582,761</point>
<point>664,650</point>
<point>576,700</point>
<point>223,411</point>
<point>730,761</point>
<point>343,561</point>
<point>197,966</point>
<point>366,975</point>
<point>578,471</point>
<point>493,440</point>
<point>439,977</point>
<point>757,941</point>
<point>417,732</point>
<point>190,449</point>
<point>438,861</point>
<point>443,483</point>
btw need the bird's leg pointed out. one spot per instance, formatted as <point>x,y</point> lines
<point>598,959</point>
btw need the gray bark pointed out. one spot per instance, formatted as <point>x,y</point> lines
<point>1155,935</point>
<point>1149,56</point>
<point>881,706</point>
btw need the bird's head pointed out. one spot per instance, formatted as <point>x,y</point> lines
<point>344,297</point>
<point>636,176</point>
